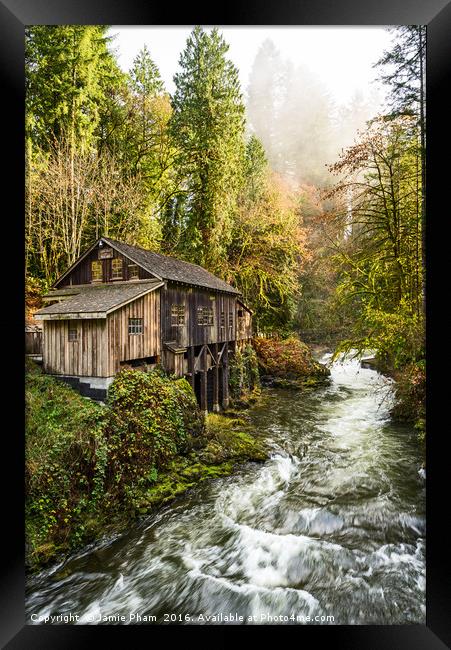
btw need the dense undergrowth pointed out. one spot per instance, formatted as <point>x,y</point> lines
<point>288,363</point>
<point>92,468</point>
<point>244,377</point>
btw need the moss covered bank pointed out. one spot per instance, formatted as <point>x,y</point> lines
<point>91,469</point>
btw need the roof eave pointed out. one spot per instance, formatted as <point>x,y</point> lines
<point>81,315</point>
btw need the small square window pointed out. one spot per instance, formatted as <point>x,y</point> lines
<point>73,334</point>
<point>240,313</point>
<point>178,315</point>
<point>116,269</point>
<point>135,325</point>
<point>204,316</point>
<point>96,271</point>
<point>133,273</point>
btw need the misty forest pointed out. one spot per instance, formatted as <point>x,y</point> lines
<point>315,212</point>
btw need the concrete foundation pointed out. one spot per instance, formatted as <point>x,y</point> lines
<point>94,387</point>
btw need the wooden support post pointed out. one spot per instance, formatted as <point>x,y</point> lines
<point>191,366</point>
<point>203,382</point>
<point>225,377</point>
<point>216,380</point>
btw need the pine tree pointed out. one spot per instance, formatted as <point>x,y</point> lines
<point>265,95</point>
<point>68,69</point>
<point>208,130</point>
<point>404,70</point>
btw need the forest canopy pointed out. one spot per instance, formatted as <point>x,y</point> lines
<point>319,221</point>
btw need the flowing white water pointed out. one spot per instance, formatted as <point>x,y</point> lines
<point>332,525</point>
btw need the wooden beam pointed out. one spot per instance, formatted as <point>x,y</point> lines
<point>203,382</point>
<point>221,352</point>
<point>213,353</point>
<point>216,382</point>
<point>225,377</point>
<point>191,366</point>
<point>198,359</point>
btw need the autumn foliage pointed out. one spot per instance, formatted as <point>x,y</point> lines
<point>287,358</point>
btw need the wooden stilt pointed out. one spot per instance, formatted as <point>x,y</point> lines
<point>225,378</point>
<point>203,383</point>
<point>191,366</point>
<point>216,380</point>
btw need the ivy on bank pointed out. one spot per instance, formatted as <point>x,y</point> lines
<point>91,468</point>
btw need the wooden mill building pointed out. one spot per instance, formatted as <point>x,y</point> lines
<point>123,305</point>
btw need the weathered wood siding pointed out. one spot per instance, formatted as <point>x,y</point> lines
<point>123,346</point>
<point>175,363</point>
<point>192,298</point>
<point>33,342</point>
<point>85,357</point>
<point>102,343</point>
<point>81,274</point>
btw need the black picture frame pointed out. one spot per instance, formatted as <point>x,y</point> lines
<point>14,16</point>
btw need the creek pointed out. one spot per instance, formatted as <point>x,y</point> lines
<point>329,530</point>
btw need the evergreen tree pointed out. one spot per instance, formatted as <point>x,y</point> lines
<point>404,70</point>
<point>256,170</point>
<point>265,94</point>
<point>208,130</point>
<point>68,69</point>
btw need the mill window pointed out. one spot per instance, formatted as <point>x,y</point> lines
<point>178,315</point>
<point>204,316</point>
<point>133,273</point>
<point>135,325</point>
<point>73,334</point>
<point>96,271</point>
<point>116,269</point>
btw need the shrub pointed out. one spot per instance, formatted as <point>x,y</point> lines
<point>65,459</point>
<point>288,358</point>
<point>410,395</point>
<point>85,463</point>
<point>147,426</point>
<point>244,376</point>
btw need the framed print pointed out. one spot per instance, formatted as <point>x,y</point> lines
<point>229,279</point>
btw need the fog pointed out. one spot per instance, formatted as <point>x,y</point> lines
<point>294,114</point>
<point>307,89</point>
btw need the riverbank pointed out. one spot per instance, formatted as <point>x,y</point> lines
<point>332,524</point>
<point>289,363</point>
<point>92,469</point>
<point>409,392</point>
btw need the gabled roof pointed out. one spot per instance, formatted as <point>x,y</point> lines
<point>163,267</point>
<point>95,301</point>
<point>171,268</point>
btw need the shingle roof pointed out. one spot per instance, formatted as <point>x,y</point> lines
<point>170,268</point>
<point>96,299</point>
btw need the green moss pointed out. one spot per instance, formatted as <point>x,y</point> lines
<point>91,469</point>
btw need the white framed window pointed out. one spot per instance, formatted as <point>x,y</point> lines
<point>96,271</point>
<point>177,314</point>
<point>116,269</point>
<point>135,325</point>
<point>133,272</point>
<point>204,316</point>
